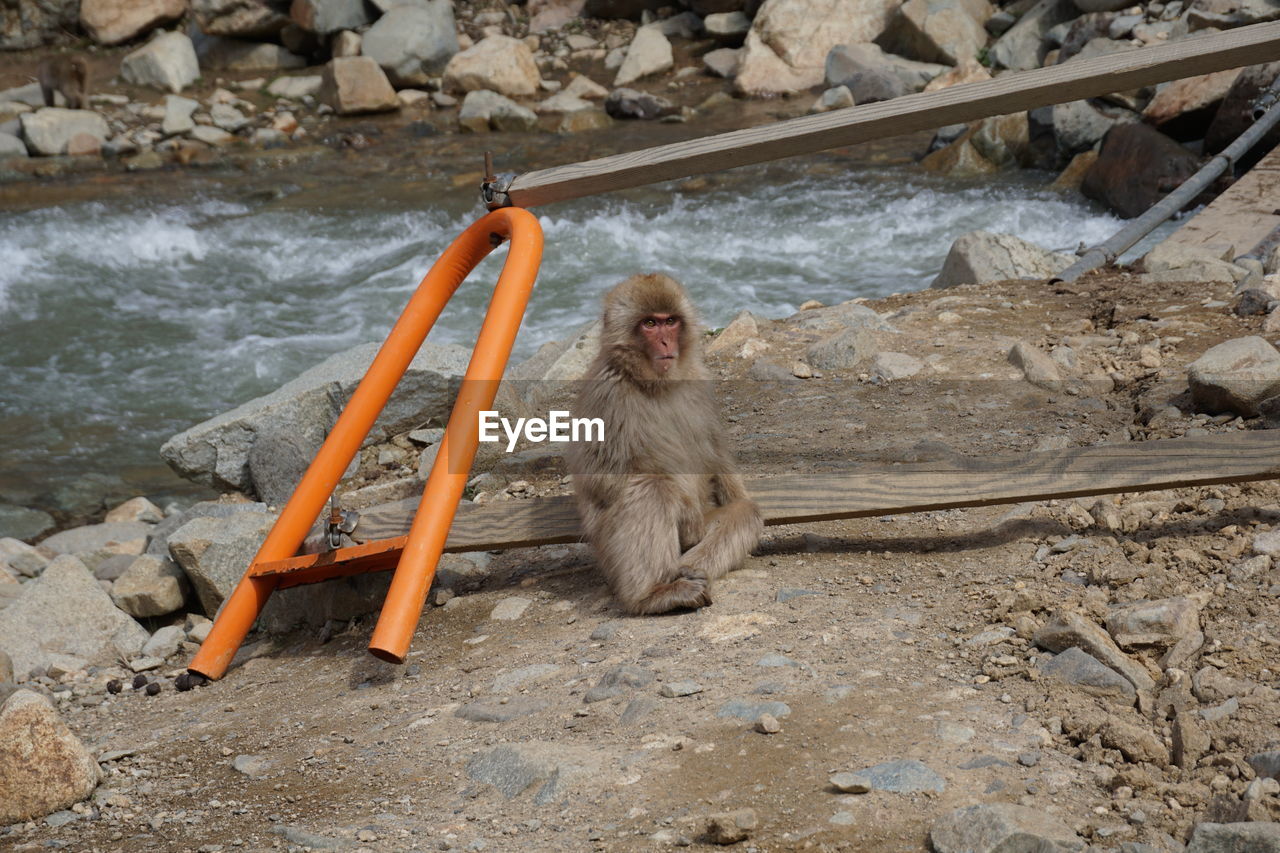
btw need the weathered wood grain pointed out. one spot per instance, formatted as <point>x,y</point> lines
<point>956,482</point>
<point>1015,92</point>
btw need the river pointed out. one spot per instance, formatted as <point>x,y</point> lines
<point>124,321</point>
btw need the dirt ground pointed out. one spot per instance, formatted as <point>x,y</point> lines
<point>883,639</point>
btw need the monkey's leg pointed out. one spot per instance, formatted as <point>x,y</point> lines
<point>732,531</point>
<point>639,549</point>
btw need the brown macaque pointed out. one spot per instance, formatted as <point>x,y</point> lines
<point>68,75</point>
<point>660,498</point>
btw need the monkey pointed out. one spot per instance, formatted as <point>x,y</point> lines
<point>660,499</point>
<point>68,75</point>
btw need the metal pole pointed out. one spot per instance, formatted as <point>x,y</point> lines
<point>1266,114</point>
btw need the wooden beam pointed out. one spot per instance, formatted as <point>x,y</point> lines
<point>1009,93</point>
<point>958,482</point>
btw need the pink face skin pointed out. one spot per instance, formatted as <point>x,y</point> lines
<point>662,339</point>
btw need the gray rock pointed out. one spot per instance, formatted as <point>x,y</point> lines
<point>945,32</point>
<point>253,766</point>
<point>903,776</point>
<point>637,710</point>
<point>649,53</point>
<point>1081,669</point>
<point>835,98</point>
<point>236,18</point>
<point>728,28</point>
<point>227,117</point>
<point>497,63</point>
<point>617,681</point>
<point>499,710</point>
<point>517,678</point>
<point>515,768</point>
<point>893,366</point>
<point>47,768</point>
<point>847,315</point>
<point>1220,712</point>
<point>744,710</point>
<point>788,593</point>
<point>1022,47</point>
<point>177,115</point>
<point>1188,741</point>
<point>236,55</point>
<point>297,87</point>
<point>981,256</point>
<point>304,838</point>
<point>66,612</point>
<point>150,586</point>
<point>324,17</point>
<point>12,146</point>
<point>165,642</point>
<point>676,689</point>
<point>1235,376</point>
<point>413,43</point>
<point>159,544</point>
<point>1170,623</point>
<point>97,537</point>
<point>1036,365</point>
<point>299,414</point>
<point>1071,630</point>
<point>846,60</point>
<point>627,103</point>
<point>510,609</point>
<point>356,84</point>
<point>167,62</point>
<point>775,660</point>
<point>850,783</point>
<point>723,61</point>
<point>1079,125</point>
<point>19,522</point>
<point>1266,764</point>
<point>48,131</point>
<point>731,827</point>
<point>1252,837</point>
<point>215,552</point>
<point>845,349</point>
<point>483,110</point>
<point>20,558</point>
<point>1002,828</point>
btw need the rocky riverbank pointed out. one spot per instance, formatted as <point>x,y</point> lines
<point>315,75</point>
<point>1085,672</point>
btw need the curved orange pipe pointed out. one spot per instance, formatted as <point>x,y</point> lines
<point>444,487</point>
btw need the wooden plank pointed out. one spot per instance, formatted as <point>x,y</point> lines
<point>956,482</point>
<point>1240,218</point>
<point>1010,93</point>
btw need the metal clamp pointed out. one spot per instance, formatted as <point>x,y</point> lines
<point>493,190</point>
<point>341,522</point>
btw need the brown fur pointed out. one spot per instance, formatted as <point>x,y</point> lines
<point>660,498</point>
<point>68,75</point>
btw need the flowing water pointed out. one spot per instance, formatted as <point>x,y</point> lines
<point>124,322</point>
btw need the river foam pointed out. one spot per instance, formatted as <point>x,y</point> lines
<point>122,324</point>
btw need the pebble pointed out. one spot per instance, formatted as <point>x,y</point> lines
<point>509,609</point>
<point>768,724</point>
<point>731,827</point>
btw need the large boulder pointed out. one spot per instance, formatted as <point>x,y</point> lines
<point>1023,46</point>
<point>1244,837</point>
<point>483,111</point>
<point>50,130</point>
<point>167,62</point>
<point>980,256</point>
<point>246,19</point>
<point>1183,108</point>
<point>288,425</point>
<point>413,43</point>
<point>945,31</point>
<point>1078,125</point>
<point>649,53</point>
<point>789,41</point>
<point>214,552</point>
<point>1235,115</point>
<point>46,767</point>
<point>116,21</point>
<point>24,25</point>
<point>324,17</point>
<point>1136,167</point>
<point>150,586</point>
<point>1234,376</point>
<point>356,84</point>
<point>66,612</point>
<point>499,63</point>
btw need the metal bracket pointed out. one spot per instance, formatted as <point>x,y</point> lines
<point>341,522</point>
<point>493,189</point>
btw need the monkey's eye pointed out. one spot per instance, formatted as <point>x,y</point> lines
<point>649,323</point>
<point>671,321</point>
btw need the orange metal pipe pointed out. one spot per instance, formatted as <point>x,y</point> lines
<point>506,310</point>
<point>408,592</point>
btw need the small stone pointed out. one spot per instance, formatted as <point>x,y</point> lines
<point>731,827</point>
<point>850,783</point>
<point>767,724</point>
<point>673,689</point>
<point>510,609</point>
<point>152,688</point>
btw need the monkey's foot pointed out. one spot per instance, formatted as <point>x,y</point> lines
<point>682,593</point>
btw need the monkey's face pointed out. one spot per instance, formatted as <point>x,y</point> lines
<point>661,336</point>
